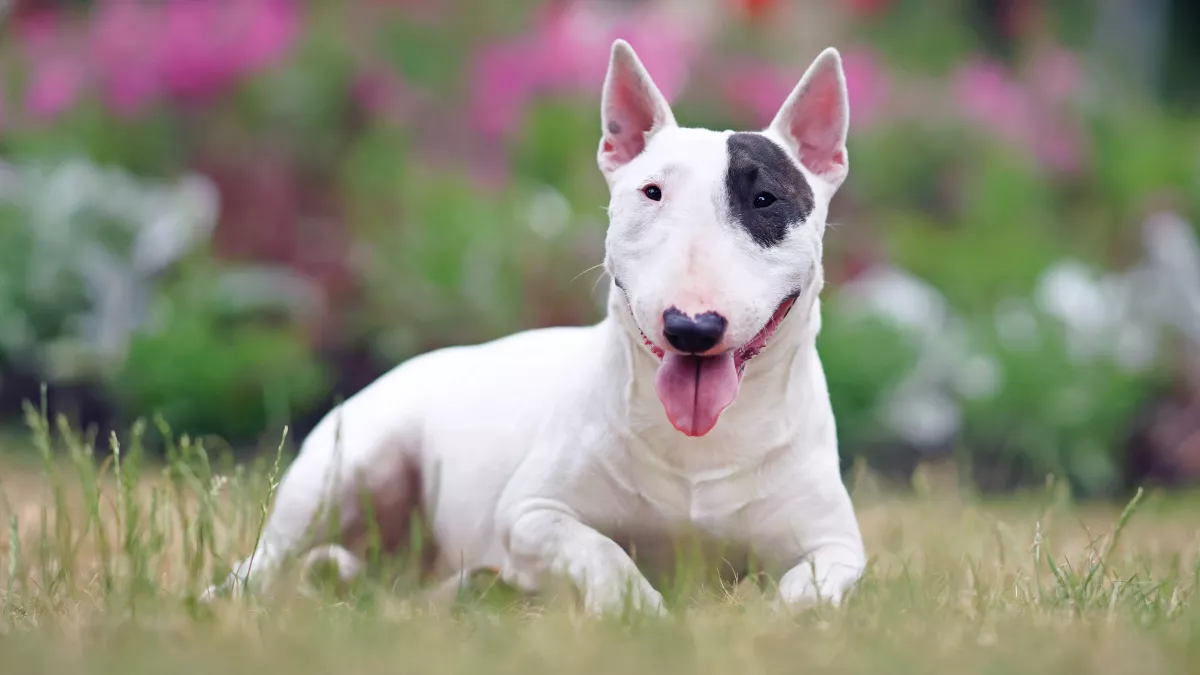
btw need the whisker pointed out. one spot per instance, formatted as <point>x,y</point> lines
<point>598,280</point>
<point>600,264</point>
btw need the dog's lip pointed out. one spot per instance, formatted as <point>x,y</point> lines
<point>748,350</point>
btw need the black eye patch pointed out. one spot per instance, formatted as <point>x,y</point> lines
<point>758,167</point>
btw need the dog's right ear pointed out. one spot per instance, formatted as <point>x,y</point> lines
<point>631,109</point>
<point>815,119</point>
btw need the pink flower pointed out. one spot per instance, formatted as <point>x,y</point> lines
<point>199,43</point>
<point>759,88</point>
<point>57,76</point>
<point>54,86</point>
<point>208,45</point>
<point>1059,147</point>
<point>988,96</point>
<point>136,53</point>
<point>1059,143</point>
<point>125,49</point>
<point>268,29</point>
<point>568,53</point>
<point>188,49</point>
<point>1055,75</point>
<point>504,78</point>
<point>38,33</point>
<point>867,84</point>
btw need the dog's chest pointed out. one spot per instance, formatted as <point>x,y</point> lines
<point>712,503</point>
<point>712,484</point>
<point>689,521</point>
<point>710,496</point>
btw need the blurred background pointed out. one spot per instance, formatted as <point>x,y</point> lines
<point>233,213</point>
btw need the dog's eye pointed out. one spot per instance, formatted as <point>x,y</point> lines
<point>763,199</point>
<point>653,192</point>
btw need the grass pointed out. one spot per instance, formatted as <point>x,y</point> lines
<point>105,552</point>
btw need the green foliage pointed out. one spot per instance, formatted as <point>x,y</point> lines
<point>33,309</point>
<point>903,168</point>
<point>557,147</point>
<point>860,374</point>
<point>1138,160</point>
<point>1055,413</point>
<point>204,368</point>
<point>87,253</point>
<point>407,45</point>
<point>905,36</point>
<point>150,145</point>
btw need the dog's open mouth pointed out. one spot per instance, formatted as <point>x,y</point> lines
<point>695,390</point>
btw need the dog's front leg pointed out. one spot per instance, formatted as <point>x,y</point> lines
<point>548,539</point>
<point>822,541</point>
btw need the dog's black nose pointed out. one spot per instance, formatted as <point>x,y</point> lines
<point>693,335</point>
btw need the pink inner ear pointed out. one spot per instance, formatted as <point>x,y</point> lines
<point>629,116</point>
<point>818,123</point>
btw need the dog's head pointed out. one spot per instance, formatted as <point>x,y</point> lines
<point>713,235</point>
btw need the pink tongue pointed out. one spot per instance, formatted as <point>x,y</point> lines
<point>694,390</point>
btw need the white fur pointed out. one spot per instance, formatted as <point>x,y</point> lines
<point>536,453</point>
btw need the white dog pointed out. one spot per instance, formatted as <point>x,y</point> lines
<point>696,410</point>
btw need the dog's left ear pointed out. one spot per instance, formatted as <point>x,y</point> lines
<point>815,119</point>
<point>631,109</point>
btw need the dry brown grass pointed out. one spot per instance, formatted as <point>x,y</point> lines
<point>107,564</point>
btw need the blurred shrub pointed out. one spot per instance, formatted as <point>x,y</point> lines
<point>212,366</point>
<point>84,248</point>
<point>860,376</point>
<point>452,146</point>
<point>1053,413</point>
<point>87,256</point>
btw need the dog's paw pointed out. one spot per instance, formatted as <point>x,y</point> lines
<point>209,594</point>
<point>613,585</point>
<point>803,594</point>
<point>799,590</point>
<point>229,588</point>
<point>608,585</point>
<point>612,594</point>
<point>233,587</point>
<point>332,563</point>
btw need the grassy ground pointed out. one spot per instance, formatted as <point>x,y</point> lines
<point>103,559</point>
